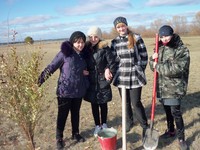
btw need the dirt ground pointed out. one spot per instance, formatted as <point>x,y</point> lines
<point>12,139</point>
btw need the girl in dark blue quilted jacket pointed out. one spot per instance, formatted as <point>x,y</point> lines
<point>72,84</point>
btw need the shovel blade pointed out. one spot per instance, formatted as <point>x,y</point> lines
<point>151,139</point>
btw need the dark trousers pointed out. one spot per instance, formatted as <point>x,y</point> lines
<point>98,109</point>
<point>173,113</point>
<point>64,106</point>
<point>133,99</point>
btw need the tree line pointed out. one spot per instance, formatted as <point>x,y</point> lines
<point>179,23</point>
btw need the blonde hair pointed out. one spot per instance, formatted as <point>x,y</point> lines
<point>131,39</point>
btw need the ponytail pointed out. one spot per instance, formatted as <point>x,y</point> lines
<point>131,40</point>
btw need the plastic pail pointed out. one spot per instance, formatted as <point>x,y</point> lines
<point>108,138</point>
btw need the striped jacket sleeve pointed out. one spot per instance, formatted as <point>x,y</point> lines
<point>142,51</point>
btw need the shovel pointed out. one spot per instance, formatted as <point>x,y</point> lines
<point>151,137</point>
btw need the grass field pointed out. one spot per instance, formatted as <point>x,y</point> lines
<point>11,138</point>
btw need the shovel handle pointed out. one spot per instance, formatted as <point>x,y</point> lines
<point>154,82</point>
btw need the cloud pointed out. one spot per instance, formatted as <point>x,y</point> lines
<point>10,1</point>
<point>97,6</point>
<point>28,20</point>
<point>171,2</point>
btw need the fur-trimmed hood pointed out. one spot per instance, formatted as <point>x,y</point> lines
<point>174,42</point>
<point>66,48</point>
<point>102,44</point>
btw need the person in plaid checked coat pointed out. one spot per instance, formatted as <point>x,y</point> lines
<point>132,59</point>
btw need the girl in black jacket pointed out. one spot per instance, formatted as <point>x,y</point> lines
<point>99,59</point>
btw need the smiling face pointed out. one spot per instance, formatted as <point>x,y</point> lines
<point>121,29</point>
<point>94,39</point>
<point>78,45</point>
<point>165,39</point>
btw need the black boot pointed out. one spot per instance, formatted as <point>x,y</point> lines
<point>60,144</point>
<point>168,134</point>
<point>78,137</point>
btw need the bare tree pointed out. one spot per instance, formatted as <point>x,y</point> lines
<point>195,26</point>
<point>179,23</point>
<point>197,19</point>
<point>106,35</point>
<point>113,33</point>
<point>156,25</point>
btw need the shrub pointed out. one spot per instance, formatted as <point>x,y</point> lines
<point>20,97</point>
<point>29,40</point>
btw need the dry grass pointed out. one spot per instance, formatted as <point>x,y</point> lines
<point>11,138</point>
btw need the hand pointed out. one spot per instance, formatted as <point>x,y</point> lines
<point>108,74</point>
<point>155,55</point>
<point>85,72</point>
<point>154,64</point>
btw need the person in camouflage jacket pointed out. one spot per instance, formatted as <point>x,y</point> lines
<point>173,72</point>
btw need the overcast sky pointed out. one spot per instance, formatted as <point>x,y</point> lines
<point>52,19</point>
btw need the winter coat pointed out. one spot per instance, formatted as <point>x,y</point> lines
<point>99,58</point>
<point>71,82</point>
<point>173,69</point>
<point>131,62</point>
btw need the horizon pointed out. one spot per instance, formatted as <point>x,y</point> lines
<point>44,19</point>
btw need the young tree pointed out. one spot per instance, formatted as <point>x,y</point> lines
<point>20,97</point>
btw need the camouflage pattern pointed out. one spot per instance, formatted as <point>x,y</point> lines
<point>173,69</point>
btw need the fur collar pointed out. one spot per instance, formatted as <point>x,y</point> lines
<point>175,42</point>
<point>102,44</point>
<point>66,48</point>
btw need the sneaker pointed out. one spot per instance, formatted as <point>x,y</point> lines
<point>104,126</point>
<point>60,144</point>
<point>96,130</point>
<point>168,134</point>
<point>78,137</point>
<point>183,145</point>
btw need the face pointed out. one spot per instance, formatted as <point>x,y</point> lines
<point>94,39</point>
<point>121,28</point>
<point>79,44</point>
<point>165,39</point>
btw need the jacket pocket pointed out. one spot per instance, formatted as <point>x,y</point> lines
<point>103,83</point>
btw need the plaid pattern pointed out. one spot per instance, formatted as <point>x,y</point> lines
<point>131,62</point>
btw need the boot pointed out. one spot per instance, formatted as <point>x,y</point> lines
<point>60,144</point>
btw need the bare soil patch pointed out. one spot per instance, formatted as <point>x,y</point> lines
<point>12,139</point>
